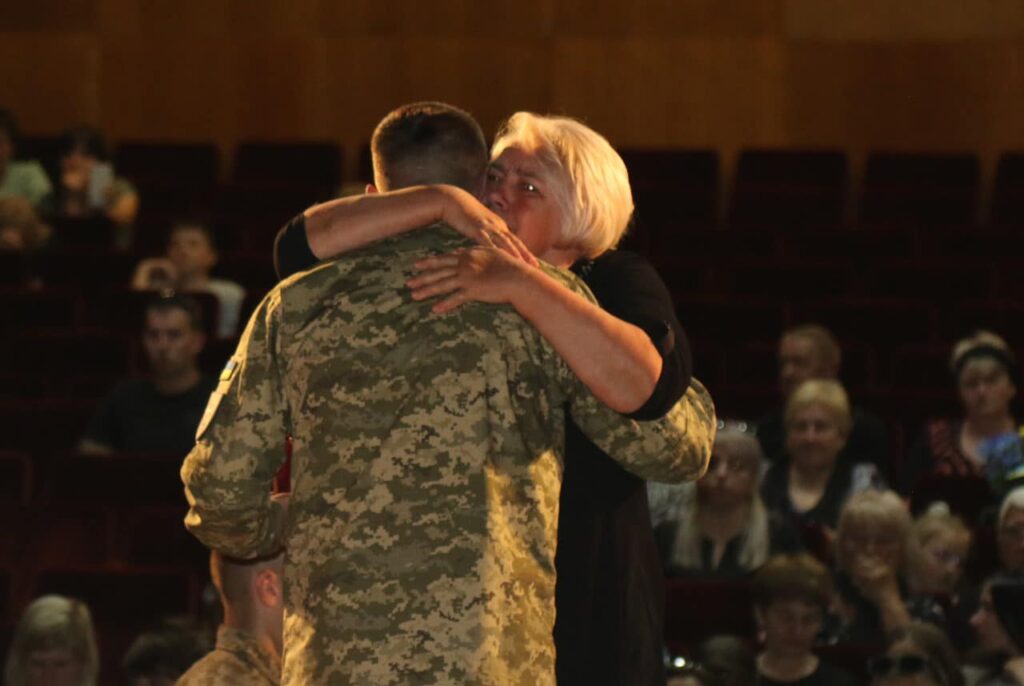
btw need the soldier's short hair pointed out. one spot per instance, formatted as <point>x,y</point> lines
<point>178,301</point>
<point>233,577</point>
<point>428,142</point>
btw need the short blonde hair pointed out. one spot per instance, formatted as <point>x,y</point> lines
<point>879,508</point>
<point>591,183</point>
<point>828,393</point>
<point>935,521</point>
<point>53,622</point>
<point>1015,500</point>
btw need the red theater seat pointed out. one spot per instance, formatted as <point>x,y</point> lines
<point>728,320</point>
<point>966,496</point>
<point>698,608</point>
<point>788,188</point>
<point>1008,191</point>
<point>920,189</point>
<point>153,163</point>
<point>314,163</point>
<point>120,480</point>
<point>871,320</point>
<point>934,279</point>
<point>15,477</point>
<point>48,307</point>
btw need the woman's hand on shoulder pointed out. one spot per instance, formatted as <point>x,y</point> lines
<point>467,215</point>
<point>481,274</point>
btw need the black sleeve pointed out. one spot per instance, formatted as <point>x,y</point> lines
<point>628,287</point>
<point>291,248</point>
<point>920,462</point>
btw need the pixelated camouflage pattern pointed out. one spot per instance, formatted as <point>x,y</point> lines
<point>426,471</point>
<point>236,660</point>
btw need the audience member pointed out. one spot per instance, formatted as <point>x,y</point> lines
<point>919,655</point>
<point>999,623</point>
<point>54,644</point>
<point>21,230</point>
<point>158,414</point>
<point>1010,532</point>
<point>937,545</point>
<point>88,185</point>
<point>25,179</point>
<point>810,487</point>
<point>985,371</point>
<point>791,596</point>
<point>249,642</point>
<point>191,256</point>
<point>720,526</point>
<point>807,352</point>
<point>870,552</point>
<point>159,657</point>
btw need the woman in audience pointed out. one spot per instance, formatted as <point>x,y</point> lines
<point>791,596</point>
<point>919,655</point>
<point>811,485</point>
<point>21,179</point>
<point>1010,532</point>
<point>937,545</point>
<point>985,371</point>
<point>719,661</point>
<point>869,554</point>
<point>720,526</point>
<point>937,548</point>
<point>88,186</point>
<point>999,623</point>
<point>54,645</point>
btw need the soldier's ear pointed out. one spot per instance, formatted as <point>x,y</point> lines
<point>370,188</point>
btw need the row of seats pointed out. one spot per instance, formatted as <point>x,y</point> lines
<point>682,186</point>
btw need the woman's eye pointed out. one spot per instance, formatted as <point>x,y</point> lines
<point>527,186</point>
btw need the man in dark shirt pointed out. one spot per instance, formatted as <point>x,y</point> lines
<point>810,351</point>
<point>158,414</point>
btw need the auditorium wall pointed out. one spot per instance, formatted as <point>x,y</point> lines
<point>727,74</point>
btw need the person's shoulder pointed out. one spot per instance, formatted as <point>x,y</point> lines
<point>226,287</point>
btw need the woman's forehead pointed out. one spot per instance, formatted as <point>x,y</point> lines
<point>981,366</point>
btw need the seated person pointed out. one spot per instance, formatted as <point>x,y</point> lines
<point>191,256</point>
<point>88,186</point>
<point>719,526</point>
<point>810,486</point>
<point>985,371</point>
<point>1010,532</point>
<point>870,551</point>
<point>160,656</point>
<point>791,596</point>
<point>919,655</point>
<point>999,623</point>
<point>158,414</point>
<point>249,642</point>
<point>54,644</point>
<point>24,179</point>
<point>937,546</point>
<point>20,227</point>
<point>810,351</point>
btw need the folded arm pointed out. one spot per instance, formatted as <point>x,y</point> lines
<point>239,448</point>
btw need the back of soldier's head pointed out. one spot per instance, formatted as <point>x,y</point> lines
<point>233,578</point>
<point>426,143</point>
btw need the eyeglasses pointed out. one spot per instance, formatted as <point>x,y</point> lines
<point>903,665</point>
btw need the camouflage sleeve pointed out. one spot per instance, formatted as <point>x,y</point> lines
<point>675,448</point>
<point>239,447</point>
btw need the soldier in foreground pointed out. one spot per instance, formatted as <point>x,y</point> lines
<point>427,458</point>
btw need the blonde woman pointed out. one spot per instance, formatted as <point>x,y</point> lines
<point>811,485</point>
<point>720,526</point>
<point>937,546</point>
<point>54,645</point>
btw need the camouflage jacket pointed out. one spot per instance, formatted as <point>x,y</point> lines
<point>237,659</point>
<point>425,472</point>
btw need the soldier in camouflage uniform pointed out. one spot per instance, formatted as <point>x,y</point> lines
<point>425,475</point>
<point>248,649</point>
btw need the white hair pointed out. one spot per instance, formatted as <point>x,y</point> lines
<point>591,183</point>
<point>53,622</point>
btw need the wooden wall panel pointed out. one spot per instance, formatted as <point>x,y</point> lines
<point>155,89</point>
<point>668,18</point>
<point>58,86</point>
<point>904,20</point>
<point>858,74</point>
<point>646,92</point>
